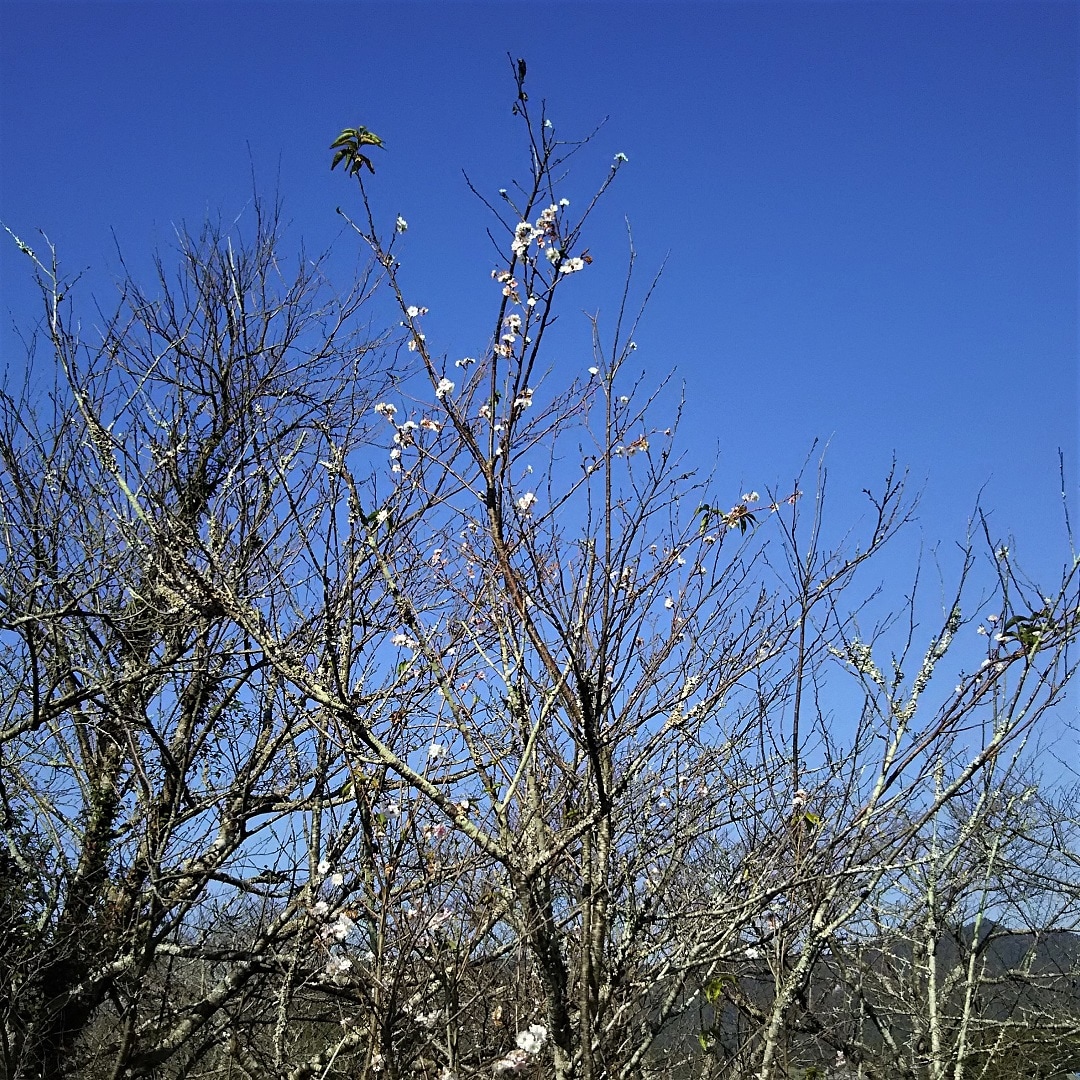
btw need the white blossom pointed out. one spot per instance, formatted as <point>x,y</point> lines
<point>525,503</point>
<point>401,225</point>
<point>523,235</point>
<point>445,387</point>
<point>341,928</point>
<point>338,965</point>
<point>532,1039</point>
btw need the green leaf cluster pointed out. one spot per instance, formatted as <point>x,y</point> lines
<point>349,146</point>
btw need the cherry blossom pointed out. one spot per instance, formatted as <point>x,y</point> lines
<point>532,1039</point>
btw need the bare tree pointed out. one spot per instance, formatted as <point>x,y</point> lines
<point>967,965</point>
<point>436,717</point>
<point>160,780</point>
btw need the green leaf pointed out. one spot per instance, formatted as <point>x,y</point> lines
<point>368,138</point>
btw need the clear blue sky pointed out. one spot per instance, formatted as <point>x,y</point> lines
<point>869,210</point>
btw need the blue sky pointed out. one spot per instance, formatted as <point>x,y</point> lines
<point>868,210</point>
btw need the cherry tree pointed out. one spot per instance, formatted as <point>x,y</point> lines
<point>382,709</point>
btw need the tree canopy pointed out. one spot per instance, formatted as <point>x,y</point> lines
<point>373,710</point>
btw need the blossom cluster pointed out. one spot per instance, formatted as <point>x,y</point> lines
<point>335,926</point>
<point>529,1044</point>
<point>510,289</point>
<point>545,235</point>
<point>405,433</point>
